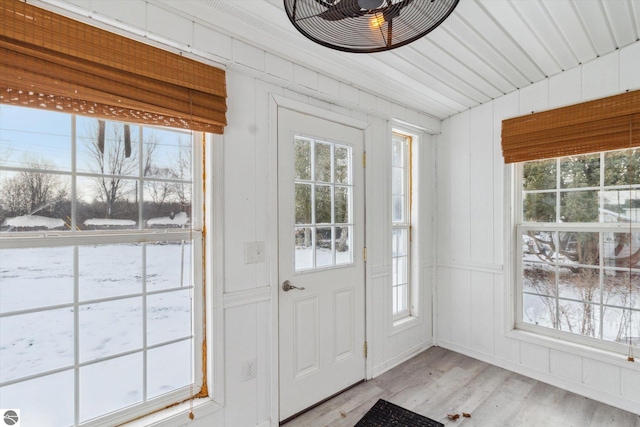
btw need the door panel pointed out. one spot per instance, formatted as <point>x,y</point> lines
<point>321,239</point>
<point>306,337</point>
<point>343,324</point>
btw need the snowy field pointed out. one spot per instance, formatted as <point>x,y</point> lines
<point>110,323</point>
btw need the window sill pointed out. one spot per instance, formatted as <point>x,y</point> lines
<point>177,415</point>
<point>578,349</point>
<point>403,324</point>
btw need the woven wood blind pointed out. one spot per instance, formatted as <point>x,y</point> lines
<point>605,124</point>
<point>53,62</point>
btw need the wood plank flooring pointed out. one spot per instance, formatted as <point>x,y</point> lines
<point>438,382</point>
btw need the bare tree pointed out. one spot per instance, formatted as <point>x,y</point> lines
<point>5,149</point>
<point>150,145</point>
<point>5,153</point>
<point>160,191</point>
<point>13,195</point>
<point>110,154</point>
<point>183,170</point>
<point>33,190</point>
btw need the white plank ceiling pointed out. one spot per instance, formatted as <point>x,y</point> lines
<point>485,49</point>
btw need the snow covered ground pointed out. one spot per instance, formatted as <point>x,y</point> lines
<point>324,258</point>
<point>33,221</point>
<point>583,304</point>
<point>110,323</point>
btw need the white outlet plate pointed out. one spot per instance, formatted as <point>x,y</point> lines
<point>249,370</point>
<point>253,252</point>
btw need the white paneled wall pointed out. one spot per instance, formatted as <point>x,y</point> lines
<point>394,344</point>
<point>473,273</point>
<point>246,293</point>
<point>248,216</point>
<point>466,256</point>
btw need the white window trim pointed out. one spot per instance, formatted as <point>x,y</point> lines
<point>406,225</point>
<point>512,328</point>
<point>142,411</point>
<point>414,316</point>
<point>210,407</point>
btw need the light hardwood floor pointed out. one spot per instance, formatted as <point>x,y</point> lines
<point>438,382</point>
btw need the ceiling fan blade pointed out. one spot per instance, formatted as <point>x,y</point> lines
<point>342,10</point>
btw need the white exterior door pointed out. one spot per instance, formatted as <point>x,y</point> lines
<point>321,243</point>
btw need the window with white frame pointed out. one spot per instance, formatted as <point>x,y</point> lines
<point>401,225</point>
<point>578,247</point>
<point>323,204</point>
<point>100,268</point>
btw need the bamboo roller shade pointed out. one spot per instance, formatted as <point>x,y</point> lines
<point>605,124</point>
<point>54,62</point>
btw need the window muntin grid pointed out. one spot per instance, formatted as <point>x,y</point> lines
<point>323,204</point>
<point>578,238</point>
<point>401,225</point>
<point>102,298</point>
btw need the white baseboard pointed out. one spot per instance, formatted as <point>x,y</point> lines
<point>563,383</point>
<point>401,358</point>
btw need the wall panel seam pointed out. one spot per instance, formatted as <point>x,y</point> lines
<point>246,297</point>
<point>470,265</point>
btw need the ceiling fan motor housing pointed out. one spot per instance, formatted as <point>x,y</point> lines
<point>370,4</point>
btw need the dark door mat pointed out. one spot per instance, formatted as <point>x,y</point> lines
<point>387,414</point>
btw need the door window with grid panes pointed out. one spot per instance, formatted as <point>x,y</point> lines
<point>100,268</point>
<point>323,204</point>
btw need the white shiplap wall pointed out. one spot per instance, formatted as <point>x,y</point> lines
<point>471,298</point>
<point>244,297</point>
<point>473,280</point>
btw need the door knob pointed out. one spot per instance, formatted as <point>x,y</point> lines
<point>287,286</point>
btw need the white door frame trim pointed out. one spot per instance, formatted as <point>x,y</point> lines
<point>276,102</point>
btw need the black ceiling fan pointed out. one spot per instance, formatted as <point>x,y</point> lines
<point>354,8</point>
<point>365,26</point>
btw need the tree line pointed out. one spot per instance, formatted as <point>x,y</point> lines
<point>113,154</point>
